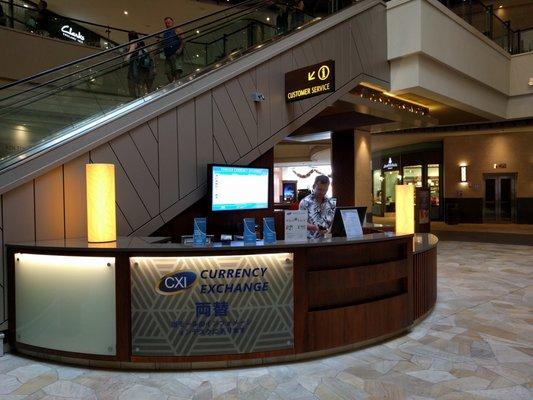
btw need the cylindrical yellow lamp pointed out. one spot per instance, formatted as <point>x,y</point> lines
<point>405,209</point>
<point>101,213</point>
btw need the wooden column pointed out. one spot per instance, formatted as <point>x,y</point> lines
<point>343,167</point>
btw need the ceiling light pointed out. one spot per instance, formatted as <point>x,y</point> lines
<point>125,12</point>
<point>197,31</point>
<point>500,7</point>
<point>268,18</point>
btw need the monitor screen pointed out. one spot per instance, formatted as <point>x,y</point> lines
<point>238,188</point>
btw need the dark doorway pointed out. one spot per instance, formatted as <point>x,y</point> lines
<point>499,201</point>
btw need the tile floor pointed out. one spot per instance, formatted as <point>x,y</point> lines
<point>477,344</point>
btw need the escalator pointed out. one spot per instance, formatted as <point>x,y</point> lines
<point>161,134</point>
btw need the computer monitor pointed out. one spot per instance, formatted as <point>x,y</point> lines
<point>236,188</point>
<point>337,227</point>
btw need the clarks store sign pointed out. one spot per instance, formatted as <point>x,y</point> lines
<point>310,81</point>
<point>69,33</point>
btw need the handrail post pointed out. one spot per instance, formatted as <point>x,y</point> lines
<point>12,12</point>
<point>491,21</point>
<point>206,55</point>
<point>469,15</point>
<point>224,44</point>
<point>519,40</point>
<point>508,25</point>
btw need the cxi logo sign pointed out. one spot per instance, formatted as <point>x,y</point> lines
<point>176,282</point>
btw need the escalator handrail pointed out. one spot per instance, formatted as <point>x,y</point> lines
<point>125,45</point>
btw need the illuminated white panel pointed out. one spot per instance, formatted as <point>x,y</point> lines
<point>66,303</point>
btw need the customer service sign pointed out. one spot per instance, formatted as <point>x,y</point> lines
<point>310,81</point>
<point>186,306</point>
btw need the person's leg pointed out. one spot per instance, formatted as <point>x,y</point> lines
<point>132,88</point>
<point>170,67</point>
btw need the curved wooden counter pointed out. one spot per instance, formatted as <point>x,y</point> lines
<point>346,293</point>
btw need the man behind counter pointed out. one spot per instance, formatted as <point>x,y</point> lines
<point>320,209</point>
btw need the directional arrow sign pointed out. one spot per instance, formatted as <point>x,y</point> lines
<point>310,81</point>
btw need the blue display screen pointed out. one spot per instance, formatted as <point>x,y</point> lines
<point>239,188</point>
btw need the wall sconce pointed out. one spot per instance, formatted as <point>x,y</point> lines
<point>463,173</point>
<point>405,209</point>
<point>101,212</point>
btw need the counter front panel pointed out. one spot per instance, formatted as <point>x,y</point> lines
<point>140,304</point>
<point>192,306</point>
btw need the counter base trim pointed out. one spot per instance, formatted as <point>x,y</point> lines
<point>200,365</point>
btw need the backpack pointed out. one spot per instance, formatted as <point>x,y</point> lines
<point>144,60</point>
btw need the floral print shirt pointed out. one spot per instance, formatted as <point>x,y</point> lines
<point>320,214</point>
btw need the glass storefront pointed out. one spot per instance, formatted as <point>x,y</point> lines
<point>412,175</point>
<point>420,169</point>
<point>434,189</point>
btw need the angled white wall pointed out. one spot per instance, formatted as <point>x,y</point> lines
<point>436,54</point>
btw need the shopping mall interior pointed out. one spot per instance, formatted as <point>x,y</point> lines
<point>262,199</point>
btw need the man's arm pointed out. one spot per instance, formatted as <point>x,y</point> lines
<point>179,33</point>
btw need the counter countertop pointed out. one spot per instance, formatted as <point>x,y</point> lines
<point>421,242</point>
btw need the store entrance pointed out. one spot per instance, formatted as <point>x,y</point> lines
<point>499,202</point>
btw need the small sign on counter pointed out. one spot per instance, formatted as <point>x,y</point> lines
<point>295,226</point>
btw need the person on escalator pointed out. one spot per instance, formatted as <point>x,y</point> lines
<point>42,18</point>
<point>141,67</point>
<point>173,49</point>
<point>3,18</point>
<point>298,15</point>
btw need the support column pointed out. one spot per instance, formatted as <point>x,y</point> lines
<point>351,157</point>
<point>363,169</point>
<point>342,167</point>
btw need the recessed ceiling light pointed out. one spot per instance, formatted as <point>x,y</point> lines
<point>125,12</point>
<point>500,6</point>
<point>268,18</point>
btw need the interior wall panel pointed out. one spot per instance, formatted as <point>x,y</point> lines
<point>187,148</point>
<point>146,144</point>
<point>19,214</point>
<point>75,195</point>
<point>49,206</point>
<point>231,120</point>
<point>137,172</point>
<point>204,135</point>
<point>168,159</point>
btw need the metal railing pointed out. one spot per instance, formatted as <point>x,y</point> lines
<point>483,18</point>
<point>43,110</point>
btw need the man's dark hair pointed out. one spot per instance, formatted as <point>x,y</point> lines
<point>170,18</point>
<point>321,179</point>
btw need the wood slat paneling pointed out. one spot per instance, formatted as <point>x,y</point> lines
<point>137,172</point>
<point>75,197</point>
<point>147,146</point>
<point>263,111</point>
<point>204,135</point>
<point>19,212</point>
<point>356,323</point>
<point>168,159</point>
<point>223,138</point>
<point>49,207</point>
<point>187,148</point>
<point>231,120</point>
<point>424,282</point>
<point>346,286</point>
<point>239,100</point>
